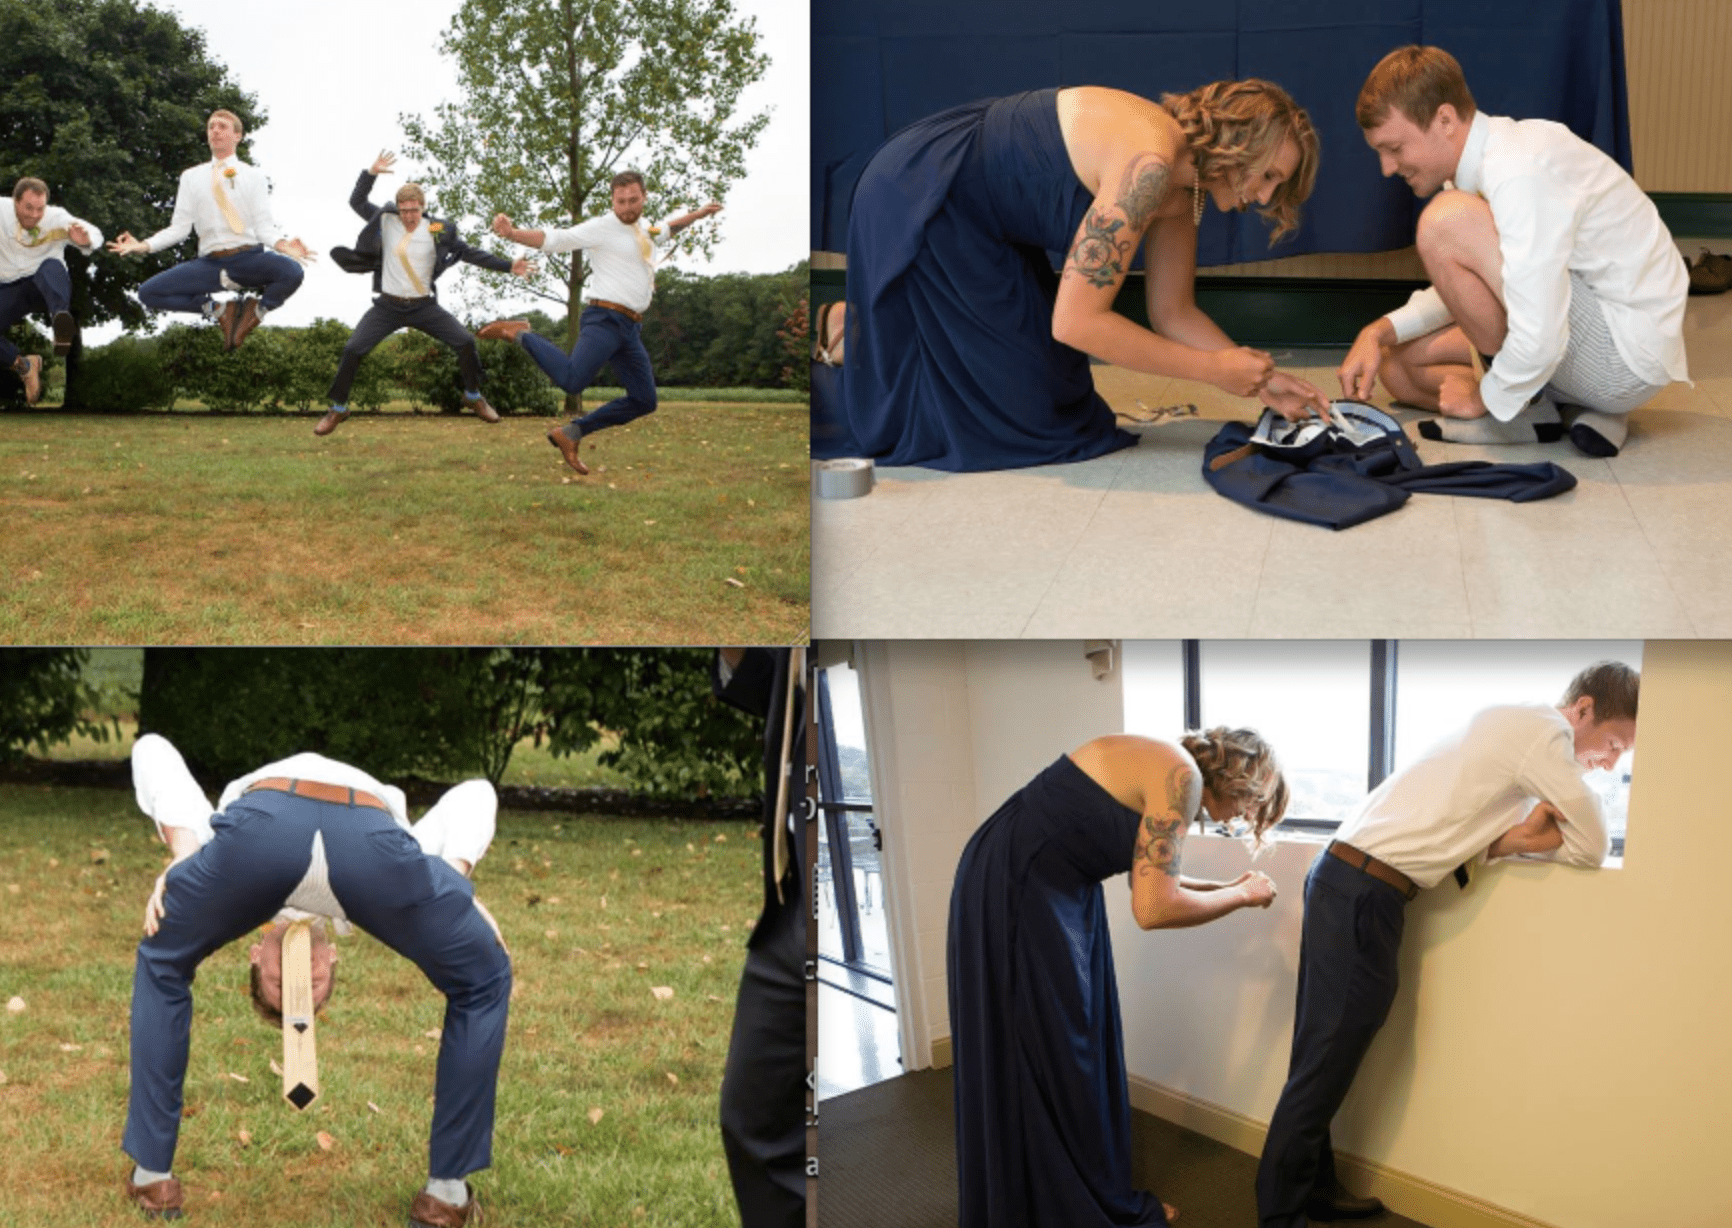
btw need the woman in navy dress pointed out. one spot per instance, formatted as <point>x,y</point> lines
<point>966,352</point>
<point>1043,1128</point>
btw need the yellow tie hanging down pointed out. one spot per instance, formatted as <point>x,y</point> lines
<point>643,246</point>
<point>222,194</point>
<point>300,1059</point>
<point>403,258</point>
<point>37,237</point>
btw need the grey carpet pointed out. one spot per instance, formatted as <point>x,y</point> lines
<point>887,1156</point>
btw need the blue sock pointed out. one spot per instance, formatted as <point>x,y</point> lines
<point>471,396</point>
<point>339,409</point>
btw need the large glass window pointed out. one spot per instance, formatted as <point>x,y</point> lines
<point>1343,715</point>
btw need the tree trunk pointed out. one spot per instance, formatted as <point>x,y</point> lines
<point>574,309</point>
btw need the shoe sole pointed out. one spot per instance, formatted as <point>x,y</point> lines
<point>64,332</point>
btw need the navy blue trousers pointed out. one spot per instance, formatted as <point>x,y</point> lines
<point>48,289</point>
<point>415,904</point>
<point>1348,953</point>
<point>605,337</point>
<point>189,286</point>
<point>387,316</point>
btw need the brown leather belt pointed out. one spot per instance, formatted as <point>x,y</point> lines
<point>319,792</point>
<point>635,317</point>
<point>1360,860</point>
<point>226,252</point>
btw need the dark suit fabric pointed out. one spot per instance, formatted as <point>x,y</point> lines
<point>763,1089</point>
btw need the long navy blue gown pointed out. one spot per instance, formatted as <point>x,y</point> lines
<point>1043,1116</point>
<point>951,360</point>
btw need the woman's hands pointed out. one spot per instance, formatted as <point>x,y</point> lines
<point>1240,370</point>
<point>1257,888</point>
<point>1293,398</point>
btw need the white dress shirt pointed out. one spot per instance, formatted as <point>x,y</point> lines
<point>618,271</point>
<point>1560,204</point>
<point>393,280</point>
<point>1449,806</point>
<point>196,209</point>
<point>21,255</point>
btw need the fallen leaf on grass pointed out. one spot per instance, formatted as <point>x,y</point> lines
<point>551,933</point>
<point>432,1033</point>
<point>374,1107</point>
<point>326,1142</point>
<point>731,580</point>
<point>712,997</point>
<point>98,856</point>
<point>276,1069</point>
<point>595,1116</point>
<point>673,1078</point>
<point>16,1005</point>
<point>245,1137</point>
<point>2,1078</point>
<point>662,992</point>
<point>53,863</point>
<point>721,837</point>
<point>12,887</point>
<point>239,1078</point>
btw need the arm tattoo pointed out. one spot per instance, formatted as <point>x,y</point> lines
<point>1142,188</point>
<point>1158,841</point>
<point>1102,252</point>
<point>1099,254</point>
<point>1184,793</point>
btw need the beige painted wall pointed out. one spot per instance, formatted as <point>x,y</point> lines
<point>1558,1045</point>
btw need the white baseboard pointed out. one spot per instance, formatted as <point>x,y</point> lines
<point>1402,1193</point>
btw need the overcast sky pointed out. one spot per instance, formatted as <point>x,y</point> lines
<point>334,75</point>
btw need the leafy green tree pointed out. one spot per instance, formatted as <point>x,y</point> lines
<point>44,699</point>
<point>106,101</point>
<point>559,95</point>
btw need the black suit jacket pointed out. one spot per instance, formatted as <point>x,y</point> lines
<point>759,686</point>
<point>367,256</point>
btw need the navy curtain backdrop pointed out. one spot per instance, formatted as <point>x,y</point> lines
<point>878,65</point>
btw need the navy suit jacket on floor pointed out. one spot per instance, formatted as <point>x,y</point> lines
<point>367,256</point>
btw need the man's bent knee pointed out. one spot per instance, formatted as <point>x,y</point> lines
<point>1453,222</point>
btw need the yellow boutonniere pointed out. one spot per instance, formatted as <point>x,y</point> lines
<point>655,230</point>
<point>229,174</point>
<point>435,227</point>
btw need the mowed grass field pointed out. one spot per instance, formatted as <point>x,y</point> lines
<point>607,1094</point>
<point>174,528</point>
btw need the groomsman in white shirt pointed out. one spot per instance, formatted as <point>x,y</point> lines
<point>1510,784</point>
<point>621,282</point>
<point>1543,254</point>
<point>240,246</point>
<point>33,274</point>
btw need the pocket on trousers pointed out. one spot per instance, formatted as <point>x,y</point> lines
<point>407,870</point>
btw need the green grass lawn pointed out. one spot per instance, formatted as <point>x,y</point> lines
<point>597,911</point>
<point>172,528</point>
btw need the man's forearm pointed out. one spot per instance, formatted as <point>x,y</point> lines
<point>680,223</point>
<point>529,238</point>
<point>181,841</point>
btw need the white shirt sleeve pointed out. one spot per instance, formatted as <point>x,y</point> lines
<point>1424,312</point>
<point>59,218</point>
<point>578,237</point>
<point>180,225</point>
<point>257,191</point>
<point>1551,773</point>
<point>1536,225</point>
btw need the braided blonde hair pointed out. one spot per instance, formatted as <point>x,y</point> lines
<point>1236,127</point>
<point>1239,768</point>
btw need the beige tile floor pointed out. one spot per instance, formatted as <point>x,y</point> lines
<point>1136,544</point>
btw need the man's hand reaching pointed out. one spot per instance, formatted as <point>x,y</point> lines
<point>1538,833</point>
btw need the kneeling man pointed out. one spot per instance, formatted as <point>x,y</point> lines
<point>1545,256</point>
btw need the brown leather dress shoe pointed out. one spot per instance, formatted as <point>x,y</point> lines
<point>330,422</point>
<point>65,330</point>
<point>483,410</point>
<point>29,368</point>
<point>428,1212</point>
<point>1328,1206</point>
<point>246,320</point>
<point>502,330</point>
<point>225,322</point>
<point>568,448</point>
<point>158,1200</point>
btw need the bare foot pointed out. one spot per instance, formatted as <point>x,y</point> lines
<point>1172,1212</point>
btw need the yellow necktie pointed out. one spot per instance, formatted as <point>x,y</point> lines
<point>223,202</point>
<point>403,258</point>
<point>42,236</point>
<point>643,246</point>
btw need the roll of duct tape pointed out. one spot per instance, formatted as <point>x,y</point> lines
<point>848,478</point>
